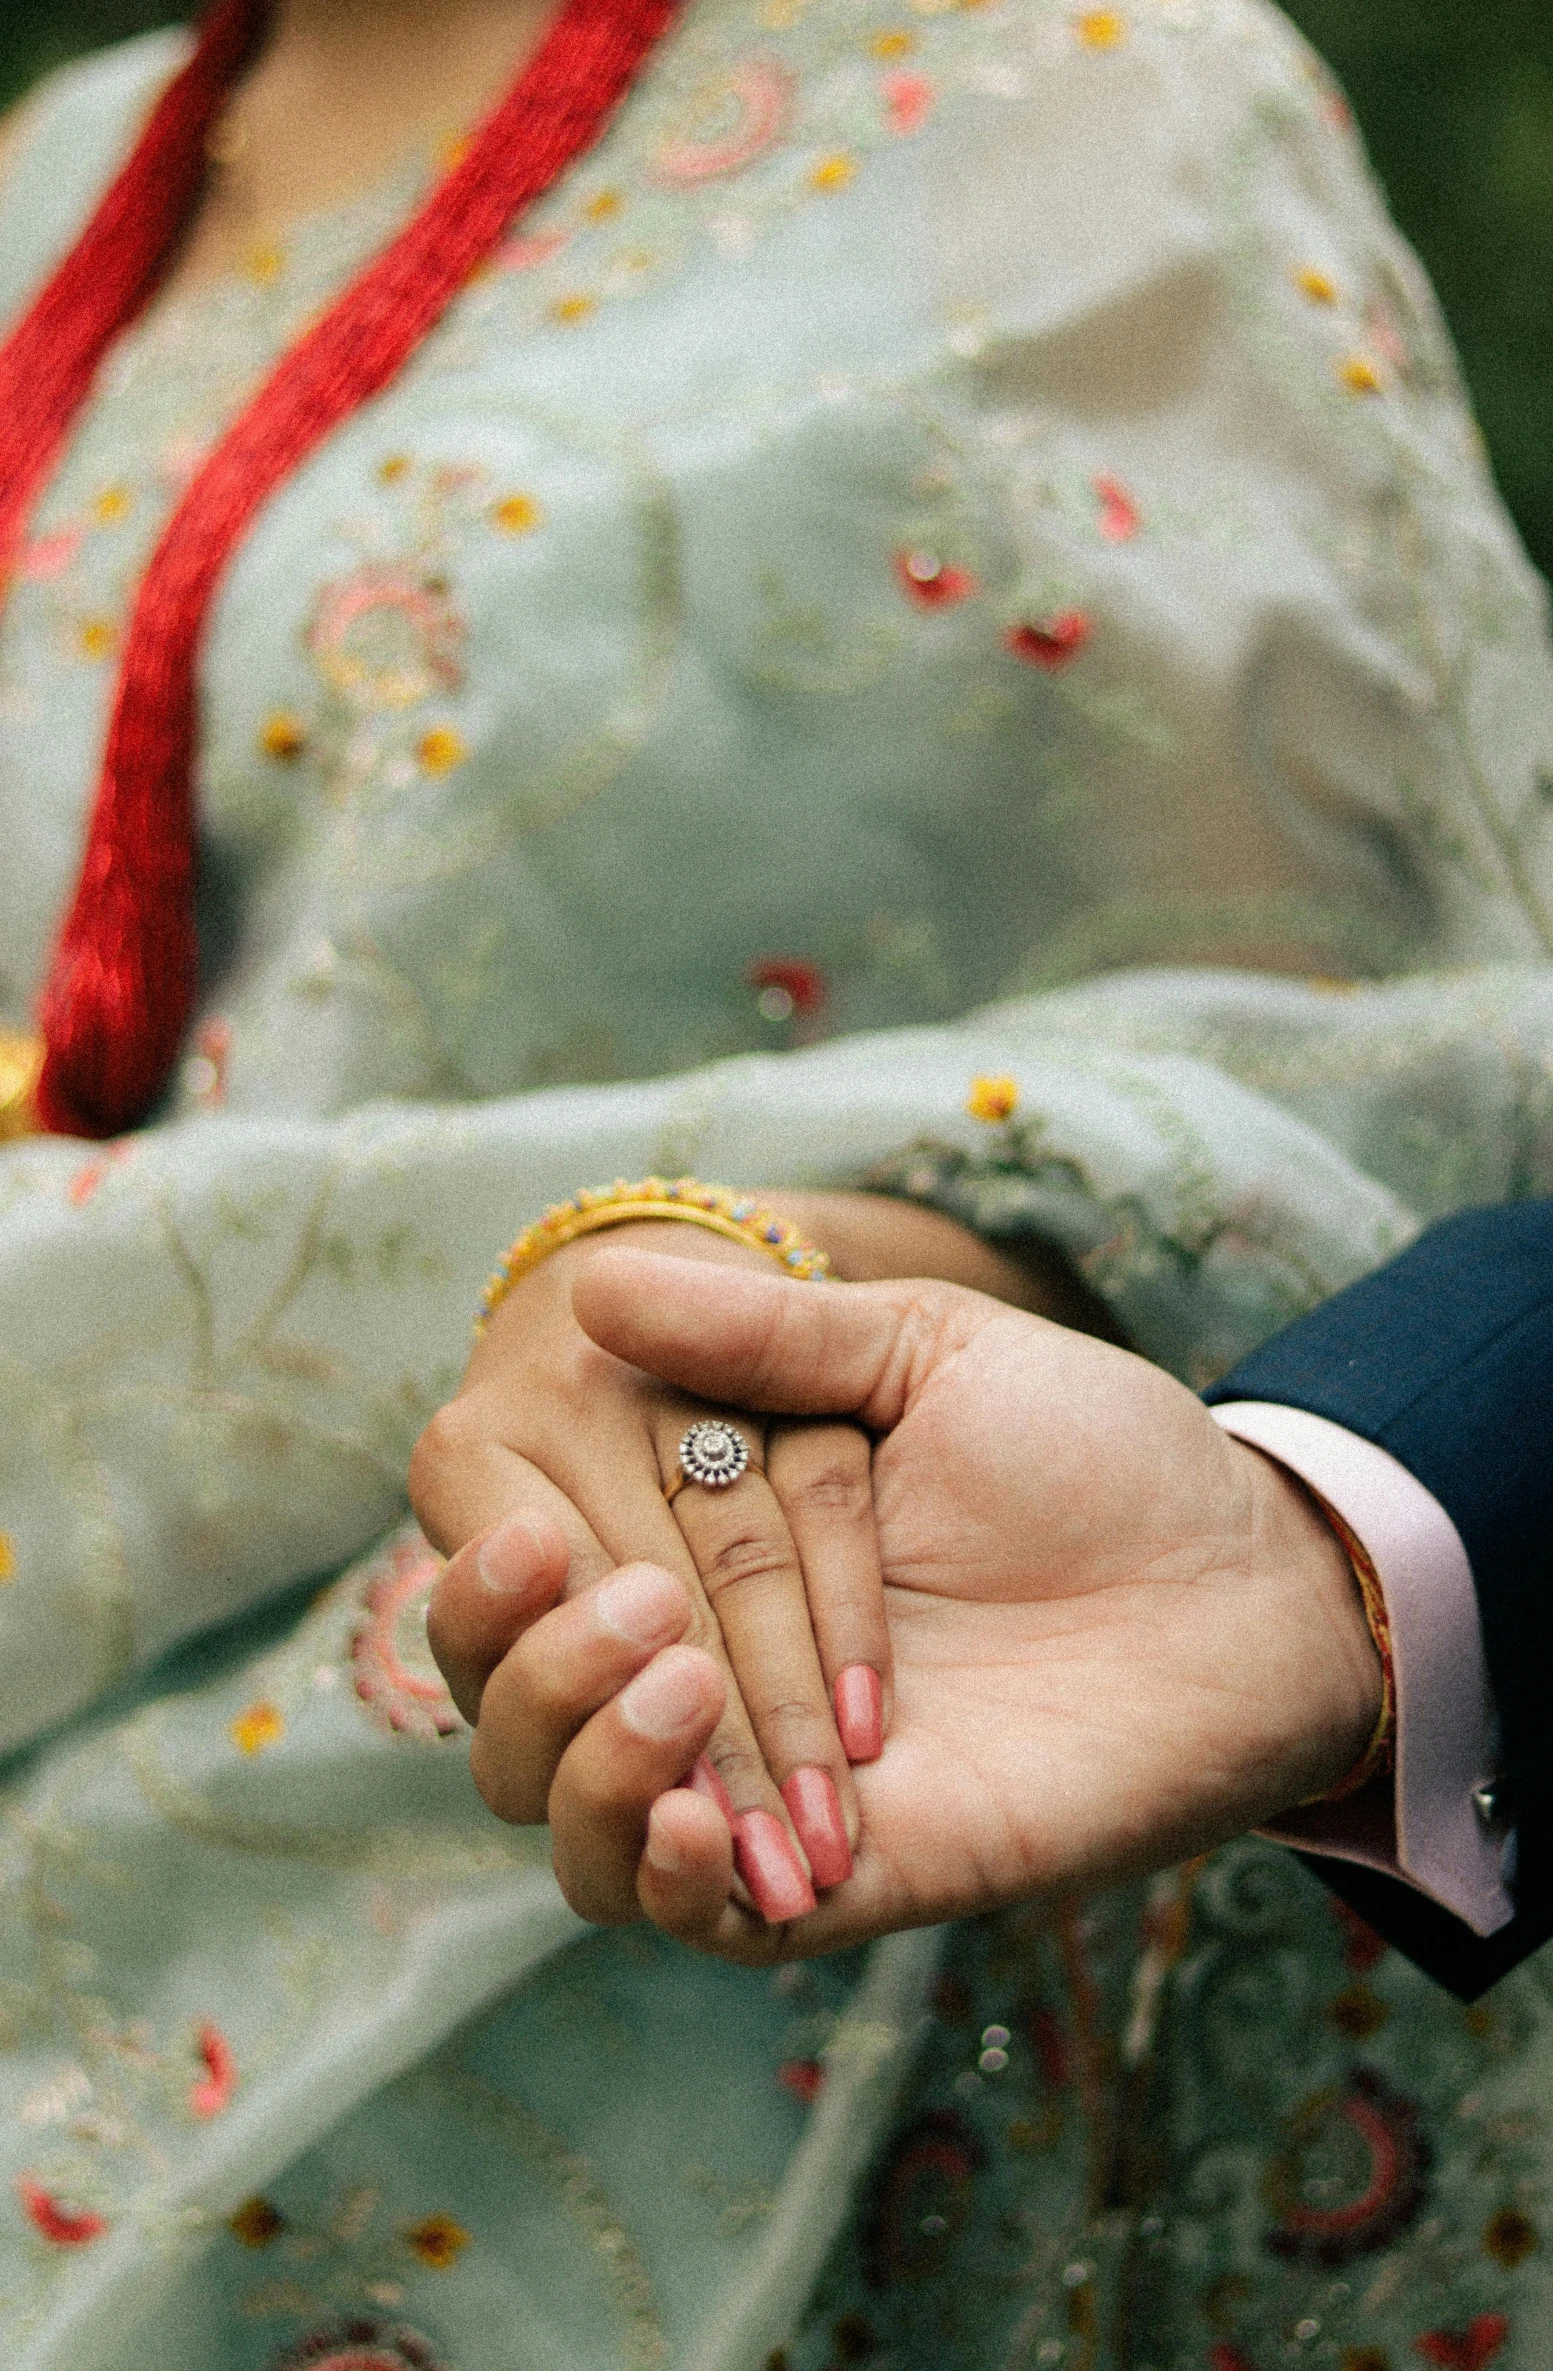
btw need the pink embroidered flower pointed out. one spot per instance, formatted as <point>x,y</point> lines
<point>61,2225</point>
<point>49,555</point>
<point>1052,643</point>
<point>908,102</point>
<point>1119,519</point>
<point>361,2346</point>
<point>204,1073</point>
<point>526,252</point>
<point>803,2077</point>
<point>1471,2349</point>
<point>393,1665</point>
<point>212,2092</point>
<point>732,120</point>
<point>386,638</point>
<point>930,582</point>
<point>788,988</point>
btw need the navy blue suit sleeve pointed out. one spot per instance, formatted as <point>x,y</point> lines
<point>1445,1358</point>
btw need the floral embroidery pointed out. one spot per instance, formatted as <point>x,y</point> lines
<point>283,736</point>
<point>212,2093</point>
<point>517,514</point>
<point>1509,2237</point>
<point>1101,28</point>
<point>385,638</point>
<point>438,2240</point>
<point>931,582</point>
<point>7,1557</point>
<point>993,1099</point>
<point>1373,2134</point>
<point>732,120</point>
<point>440,750</point>
<point>257,1727</point>
<point>1359,375</point>
<point>833,173</point>
<point>1119,518</point>
<point>256,2224</point>
<point>803,2078</point>
<point>205,1069</point>
<point>787,987</point>
<point>393,1666</point>
<point>63,2226</point>
<point>1319,286</point>
<point>1471,2349</point>
<point>1050,645</point>
<point>908,100</point>
<point>361,2346</point>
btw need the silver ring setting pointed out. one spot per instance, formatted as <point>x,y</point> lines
<point>713,1454</point>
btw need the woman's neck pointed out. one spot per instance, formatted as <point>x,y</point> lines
<point>339,94</point>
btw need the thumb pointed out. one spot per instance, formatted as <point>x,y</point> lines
<point>802,1349</point>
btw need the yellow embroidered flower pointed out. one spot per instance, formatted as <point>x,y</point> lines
<point>438,2241</point>
<point>569,310</point>
<point>441,750</point>
<point>992,1099</point>
<point>396,466</point>
<point>1359,375</point>
<point>283,736</point>
<point>98,638</point>
<point>1319,286</point>
<point>1101,28</point>
<point>264,264</point>
<point>7,1557</point>
<point>893,45</point>
<point>112,505</point>
<point>833,172</point>
<point>517,514</point>
<point>604,207</point>
<point>257,1726</point>
<point>256,2223</point>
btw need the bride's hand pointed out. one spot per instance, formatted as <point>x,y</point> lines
<point>778,1571</point>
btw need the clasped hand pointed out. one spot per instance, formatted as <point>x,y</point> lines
<point>1118,1635</point>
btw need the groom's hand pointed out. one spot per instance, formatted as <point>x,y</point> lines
<point>1120,1635</point>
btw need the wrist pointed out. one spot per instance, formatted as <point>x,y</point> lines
<point>1336,1689</point>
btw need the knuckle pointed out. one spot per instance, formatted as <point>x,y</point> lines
<point>839,1490</point>
<point>743,1557</point>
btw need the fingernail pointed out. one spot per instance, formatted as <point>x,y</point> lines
<point>667,1698</point>
<point>706,1781</point>
<point>815,1809</point>
<point>764,1856</point>
<point>860,1712</point>
<point>505,1562</point>
<point>662,1851</point>
<point>642,1605</point>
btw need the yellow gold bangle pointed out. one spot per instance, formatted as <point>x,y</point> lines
<point>21,1063</point>
<point>736,1216</point>
<point>1379,1754</point>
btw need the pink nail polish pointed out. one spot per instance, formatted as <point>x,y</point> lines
<point>860,1712</point>
<point>815,1808</point>
<point>765,1859</point>
<point>705,1781</point>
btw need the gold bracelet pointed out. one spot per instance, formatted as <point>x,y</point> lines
<point>21,1064</point>
<point>733,1215</point>
<point>1379,1754</point>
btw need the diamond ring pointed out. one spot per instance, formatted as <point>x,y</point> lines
<point>711,1453</point>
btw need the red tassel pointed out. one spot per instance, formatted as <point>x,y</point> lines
<point>122,982</point>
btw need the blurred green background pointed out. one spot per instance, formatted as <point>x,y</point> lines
<point>1456,102</point>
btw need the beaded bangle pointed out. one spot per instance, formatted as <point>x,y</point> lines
<point>1379,1753</point>
<point>727,1213</point>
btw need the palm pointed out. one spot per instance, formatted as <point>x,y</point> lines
<point>1094,1669</point>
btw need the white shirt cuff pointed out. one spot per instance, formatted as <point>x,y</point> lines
<point>1437,1841</point>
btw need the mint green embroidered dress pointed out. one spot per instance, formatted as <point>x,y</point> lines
<point>943,502</point>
